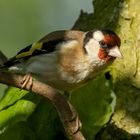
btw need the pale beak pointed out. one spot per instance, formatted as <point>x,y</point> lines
<point>115,52</point>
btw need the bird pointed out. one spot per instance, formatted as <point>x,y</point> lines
<point>66,59</point>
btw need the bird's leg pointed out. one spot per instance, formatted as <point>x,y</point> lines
<point>27,81</point>
<point>75,118</point>
<point>77,125</point>
<point>67,95</point>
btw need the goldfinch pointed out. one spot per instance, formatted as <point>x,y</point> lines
<point>66,60</point>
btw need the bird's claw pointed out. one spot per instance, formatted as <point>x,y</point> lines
<point>75,121</point>
<point>27,82</point>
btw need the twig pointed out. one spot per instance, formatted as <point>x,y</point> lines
<point>64,108</point>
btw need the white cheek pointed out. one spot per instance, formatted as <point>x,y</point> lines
<point>92,48</point>
<point>92,54</point>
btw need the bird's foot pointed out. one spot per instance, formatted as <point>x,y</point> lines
<point>27,82</point>
<point>75,121</point>
<point>67,95</point>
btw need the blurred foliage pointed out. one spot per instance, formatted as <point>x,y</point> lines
<point>26,115</point>
<point>93,103</point>
<point>16,106</point>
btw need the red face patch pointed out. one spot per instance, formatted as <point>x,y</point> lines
<point>110,40</point>
<point>103,55</point>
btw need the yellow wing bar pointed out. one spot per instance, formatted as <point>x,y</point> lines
<point>35,46</point>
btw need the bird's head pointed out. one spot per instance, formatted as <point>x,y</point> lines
<point>103,43</point>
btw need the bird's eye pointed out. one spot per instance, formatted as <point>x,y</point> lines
<point>103,44</point>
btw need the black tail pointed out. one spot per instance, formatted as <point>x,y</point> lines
<point>5,63</point>
<point>3,59</point>
<point>10,62</point>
